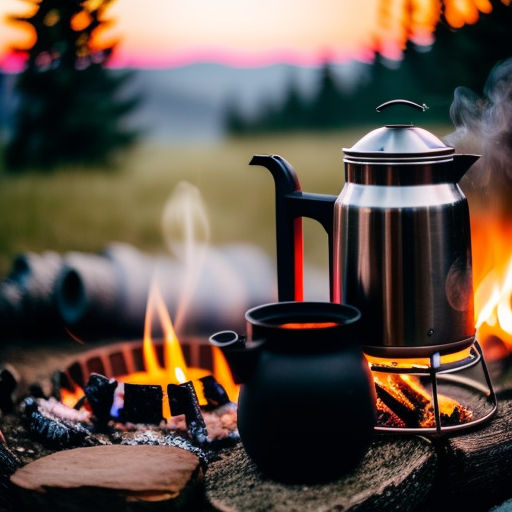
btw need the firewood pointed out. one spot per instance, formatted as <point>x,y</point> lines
<point>214,393</point>
<point>183,400</point>
<point>142,404</point>
<point>53,432</point>
<point>111,478</point>
<point>99,391</point>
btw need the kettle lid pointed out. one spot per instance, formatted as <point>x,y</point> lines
<point>396,143</point>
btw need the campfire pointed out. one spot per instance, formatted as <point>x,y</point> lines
<point>162,368</point>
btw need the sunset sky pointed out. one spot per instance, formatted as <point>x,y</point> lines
<point>162,33</point>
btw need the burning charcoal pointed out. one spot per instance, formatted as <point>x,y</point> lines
<point>59,381</point>
<point>8,465</point>
<point>214,393</point>
<point>386,417</point>
<point>142,404</point>
<point>99,391</point>
<point>459,415</point>
<point>183,400</point>
<point>53,432</point>
<point>8,384</point>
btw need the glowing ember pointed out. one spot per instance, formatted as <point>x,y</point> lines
<point>70,398</point>
<point>308,325</point>
<point>409,404</point>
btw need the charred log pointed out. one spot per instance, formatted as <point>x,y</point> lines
<point>55,432</point>
<point>183,400</point>
<point>214,393</point>
<point>390,392</point>
<point>100,395</point>
<point>401,403</point>
<point>8,465</point>
<point>142,404</point>
<point>8,384</point>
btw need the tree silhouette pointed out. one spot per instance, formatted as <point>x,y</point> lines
<point>70,110</point>
<point>462,57</point>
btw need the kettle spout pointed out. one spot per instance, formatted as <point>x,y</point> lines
<point>461,164</point>
<point>241,358</point>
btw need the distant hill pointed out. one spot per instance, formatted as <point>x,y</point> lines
<point>189,103</point>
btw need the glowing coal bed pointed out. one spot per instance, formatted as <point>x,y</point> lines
<point>108,396</point>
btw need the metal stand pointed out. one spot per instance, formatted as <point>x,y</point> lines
<point>438,373</point>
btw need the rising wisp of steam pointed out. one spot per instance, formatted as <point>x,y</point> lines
<point>484,126</point>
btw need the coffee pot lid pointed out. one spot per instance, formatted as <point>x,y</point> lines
<point>399,143</point>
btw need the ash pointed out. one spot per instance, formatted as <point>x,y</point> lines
<point>154,438</point>
<point>39,426</point>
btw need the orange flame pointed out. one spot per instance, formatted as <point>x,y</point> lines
<point>492,257</point>
<point>174,369</point>
<point>70,398</point>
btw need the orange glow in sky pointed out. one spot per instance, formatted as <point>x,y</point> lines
<point>161,33</point>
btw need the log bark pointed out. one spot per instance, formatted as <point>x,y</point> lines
<point>475,468</point>
<point>395,474</point>
<point>111,478</point>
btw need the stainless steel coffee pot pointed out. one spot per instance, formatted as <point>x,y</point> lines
<point>399,239</point>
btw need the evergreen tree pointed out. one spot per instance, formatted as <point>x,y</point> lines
<point>70,107</point>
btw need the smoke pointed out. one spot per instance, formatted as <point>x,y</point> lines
<point>186,231</point>
<point>484,126</point>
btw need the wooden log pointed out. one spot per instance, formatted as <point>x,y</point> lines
<point>474,468</point>
<point>395,474</point>
<point>111,478</point>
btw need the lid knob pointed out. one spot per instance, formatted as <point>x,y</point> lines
<point>390,103</point>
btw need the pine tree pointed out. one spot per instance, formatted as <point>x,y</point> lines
<point>70,110</point>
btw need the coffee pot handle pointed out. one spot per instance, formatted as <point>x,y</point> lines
<point>291,205</point>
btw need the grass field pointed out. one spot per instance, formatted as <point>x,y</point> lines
<point>83,209</point>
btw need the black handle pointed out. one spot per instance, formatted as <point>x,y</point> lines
<point>391,103</point>
<point>291,205</point>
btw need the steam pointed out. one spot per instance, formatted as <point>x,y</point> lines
<point>186,232</point>
<point>484,126</point>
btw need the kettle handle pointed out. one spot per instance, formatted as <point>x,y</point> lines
<point>409,103</point>
<point>291,205</point>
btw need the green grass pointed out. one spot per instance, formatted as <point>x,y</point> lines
<point>78,209</point>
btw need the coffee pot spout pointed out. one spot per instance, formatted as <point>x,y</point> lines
<point>240,356</point>
<point>461,164</point>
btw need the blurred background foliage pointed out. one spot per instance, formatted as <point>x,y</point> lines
<point>68,115</point>
<point>69,106</point>
<point>463,56</point>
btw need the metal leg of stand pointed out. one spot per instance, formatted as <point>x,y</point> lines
<point>433,375</point>
<point>492,394</point>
